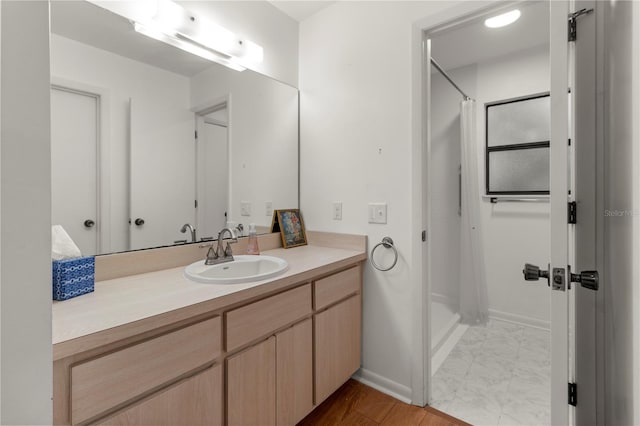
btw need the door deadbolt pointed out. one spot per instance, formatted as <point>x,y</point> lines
<point>89,223</point>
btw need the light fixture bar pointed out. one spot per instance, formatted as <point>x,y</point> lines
<point>177,40</point>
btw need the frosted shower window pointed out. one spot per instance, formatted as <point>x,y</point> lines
<point>517,152</point>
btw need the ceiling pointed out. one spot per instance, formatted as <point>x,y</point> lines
<point>474,43</point>
<point>301,9</point>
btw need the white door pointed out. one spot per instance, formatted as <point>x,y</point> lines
<point>212,176</point>
<point>559,188</point>
<point>569,170</point>
<point>162,177</point>
<point>74,181</point>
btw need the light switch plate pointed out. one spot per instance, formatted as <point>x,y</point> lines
<point>245,208</point>
<point>337,211</point>
<point>377,212</point>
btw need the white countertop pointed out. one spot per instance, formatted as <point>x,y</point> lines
<point>131,299</point>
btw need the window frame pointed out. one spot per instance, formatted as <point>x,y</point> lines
<point>510,147</point>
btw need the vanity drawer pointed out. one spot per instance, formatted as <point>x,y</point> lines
<point>106,382</point>
<point>258,319</point>
<point>336,287</point>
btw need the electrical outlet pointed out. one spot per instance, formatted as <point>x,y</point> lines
<point>378,213</point>
<point>245,208</point>
<point>337,211</point>
<point>268,208</point>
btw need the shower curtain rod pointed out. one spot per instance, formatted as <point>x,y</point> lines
<point>443,72</point>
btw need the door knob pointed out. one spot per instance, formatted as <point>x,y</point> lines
<point>533,272</point>
<point>587,279</point>
<point>139,221</point>
<point>89,223</point>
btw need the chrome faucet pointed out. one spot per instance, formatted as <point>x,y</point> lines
<point>220,255</point>
<point>192,230</point>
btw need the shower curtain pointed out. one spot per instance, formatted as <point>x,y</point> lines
<point>474,305</point>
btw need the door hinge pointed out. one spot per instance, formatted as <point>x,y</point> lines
<point>573,24</point>
<point>572,212</point>
<point>195,203</point>
<point>573,394</point>
<point>196,134</point>
<point>424,235</point>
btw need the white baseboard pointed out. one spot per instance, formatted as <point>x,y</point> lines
<point>384,385</point>
<point>440,354</point>
<point>519,319</point>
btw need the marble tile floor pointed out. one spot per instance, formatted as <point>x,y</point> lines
<point>497,374</point>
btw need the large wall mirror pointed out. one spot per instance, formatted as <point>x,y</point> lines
<point>147,138</point>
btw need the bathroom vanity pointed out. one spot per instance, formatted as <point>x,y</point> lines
<point>150,346</point>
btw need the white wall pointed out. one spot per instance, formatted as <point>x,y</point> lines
<point>620,282</point>
<point>515,233</point>
<point>165,170</point>
<point>25,199</point>
<point>263,139</point>
<point>356,146</point>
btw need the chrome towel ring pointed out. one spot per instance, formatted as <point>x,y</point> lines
<point>387,242</point>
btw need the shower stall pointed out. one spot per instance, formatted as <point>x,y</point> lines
<point>489,329</point>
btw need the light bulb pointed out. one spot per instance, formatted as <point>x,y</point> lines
<point>503,20</point>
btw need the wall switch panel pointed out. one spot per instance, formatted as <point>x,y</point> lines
<point>268,208</point>
<point>377,212</point>
<point>245,208</point>
<point>337,211</point>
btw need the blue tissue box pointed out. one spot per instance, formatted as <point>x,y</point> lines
<point>73,277</point>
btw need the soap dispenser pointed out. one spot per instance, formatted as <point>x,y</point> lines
<point>252,247</point>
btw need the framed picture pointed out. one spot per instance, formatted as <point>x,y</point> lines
<point>291,227</point>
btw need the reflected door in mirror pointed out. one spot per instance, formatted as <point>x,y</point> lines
<point>74,142</point>
<point>212,175</point>
<point>162,176</point>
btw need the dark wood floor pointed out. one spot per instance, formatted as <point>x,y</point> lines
<point>357,404</point>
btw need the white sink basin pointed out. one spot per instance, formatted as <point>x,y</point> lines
<point>243,269</point>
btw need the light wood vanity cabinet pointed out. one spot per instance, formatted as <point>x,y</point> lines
<point>271,383</point>
<point>337,330</point>
<point>251,385</point>
<point>196,400</point>
<point>267,362</point>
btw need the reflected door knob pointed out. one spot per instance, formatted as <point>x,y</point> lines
<point>139,221</point>
<point>533,272</point>
<point>89,223</point>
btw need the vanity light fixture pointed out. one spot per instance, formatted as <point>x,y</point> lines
<point>172,24</point>
<point>503,19</point>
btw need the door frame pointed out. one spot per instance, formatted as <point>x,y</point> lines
<point>200,111</point>
<point>103,154</point>
<point>421,192</point>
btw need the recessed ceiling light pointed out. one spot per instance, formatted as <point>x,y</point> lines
<point>503,20</point>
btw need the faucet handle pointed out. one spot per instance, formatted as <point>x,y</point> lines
<point>212,253</point>
<point>227,251</point>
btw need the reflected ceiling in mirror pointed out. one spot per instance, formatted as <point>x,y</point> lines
<point>147,138</point>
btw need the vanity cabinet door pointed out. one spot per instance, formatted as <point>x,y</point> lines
<point>294,367</point>
<point>337,346</point>
<point>251,385</point>
<point>191,402</point>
